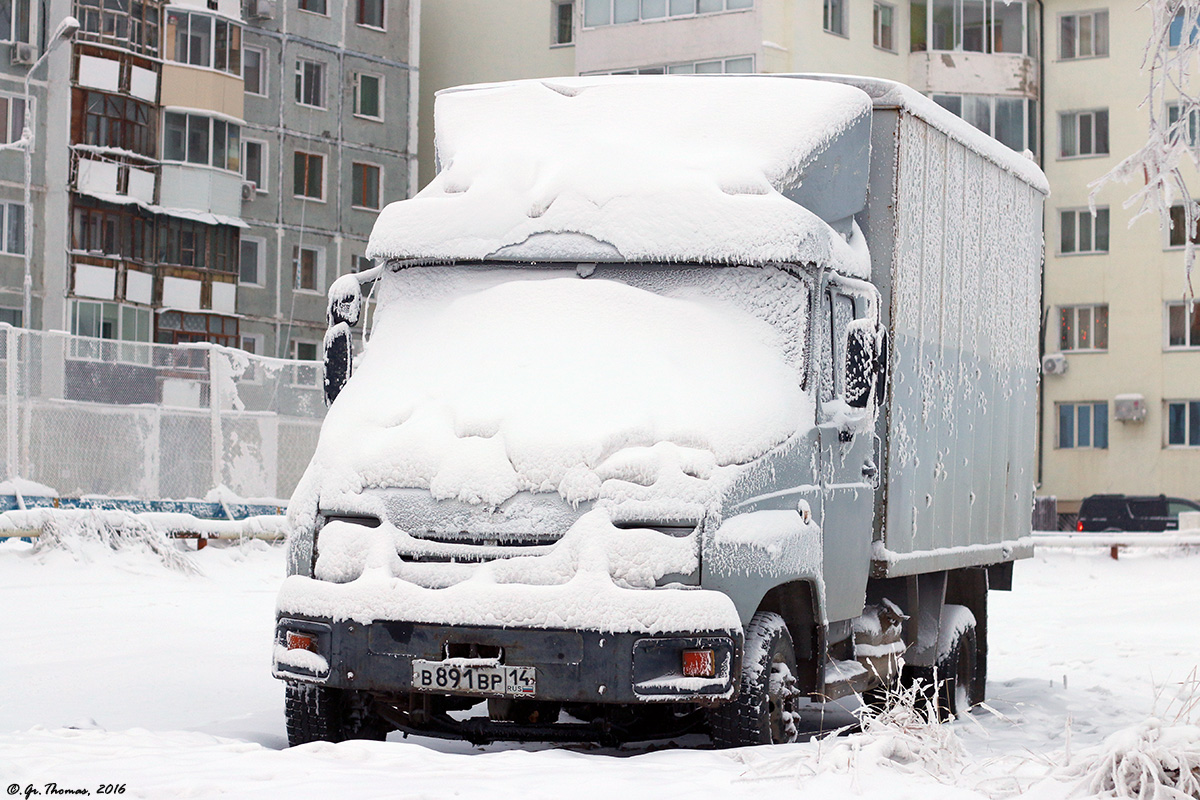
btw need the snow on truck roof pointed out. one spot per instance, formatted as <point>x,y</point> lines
<point>642,168</point>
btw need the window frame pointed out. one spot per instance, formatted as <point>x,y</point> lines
<point>357,102</point>
<point>743,5</point>
<point>302,79</point>
<point>839,7</point>
<point>211,122</point>
<point>877,28</point>
<point>1095,425</point>
<point>378,186</point>
<point>6,207</point>
<point>232,54</point>
<point>1077,334</point>
<point>1191,326</point>
<point>318,269</point>
<point>260,188</point>
<point>556,21</point>
<point>358,7</point>
<point>263,73</point>
<point>324,12</point>
<point>259,268</point>
<point>1094,223</point>
<point>14,131</point>
<point>1076,116</point>
<point>308,160</point>
<point>1094,14</point>
<point>1191,425</point>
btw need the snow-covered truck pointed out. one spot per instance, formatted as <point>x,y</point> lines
<point>685,401</point>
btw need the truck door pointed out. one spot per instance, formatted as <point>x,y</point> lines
<point>848,461</point>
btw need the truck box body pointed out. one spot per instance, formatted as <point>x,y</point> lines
<point>953,227</point>
<point>701,392</point>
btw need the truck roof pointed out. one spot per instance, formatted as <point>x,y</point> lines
<point>708,169</point>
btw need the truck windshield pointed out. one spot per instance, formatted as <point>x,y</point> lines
<point>479,382</point>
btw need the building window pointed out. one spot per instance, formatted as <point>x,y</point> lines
<point>883,16</point>
<point>835,17</point>
<point>1083,328</point>
<point>1183,423</point>
<point>1080,232</point>
<point>308,264</point>
<point>563,18</point>
<point>1011,120</point>
<point>1083,133</point>
<point>361,263</point>
<point>314,6</point>
<point>132,26</point>
<point>1083,35</point>
<point>1177,236</point>
<point>1186,130</point>
<point>254,160</point>
<point>12,228</point>
<point>1175,34</point>
<point>124,232</point>
<point>365,180</point>
<point>980,26</point>
<point>12,118</point>
<point>370,13</point>
<point>739,64</point>
<point>306,375</point>
<point>14,21</point>
<point>250,261</point>
<point>254,71</point>
<point>111,120</point>
<point>197,139</point>
<point>1183,325</point>
<point>252,343</point>
<point>308,175</point>
<point>368,95</point>
<point>187,243</point>
<point>177,327</point>
<point>310,83</point>
<point>204,41</point>
<point>12,316</point>
<point>1082,425</point>
<point>110,321</point>
<point>610,12</point>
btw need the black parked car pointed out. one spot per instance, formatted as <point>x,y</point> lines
<point>1119,512</point>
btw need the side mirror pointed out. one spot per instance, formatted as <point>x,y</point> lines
<point>861,362</point>
<point>345,306</point>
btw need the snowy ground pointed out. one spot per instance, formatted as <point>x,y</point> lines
<point>116,670</point>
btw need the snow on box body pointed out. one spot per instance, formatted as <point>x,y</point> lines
<point>954,227</point>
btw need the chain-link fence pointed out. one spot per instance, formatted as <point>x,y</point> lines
<point>130,419</point>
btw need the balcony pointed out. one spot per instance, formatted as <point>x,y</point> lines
<point>964,72</point>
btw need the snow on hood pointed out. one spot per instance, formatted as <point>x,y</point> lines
<point>479,384</point>
<point>618,168</point>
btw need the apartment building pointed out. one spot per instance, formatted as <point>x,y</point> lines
<point>201,169</point>
<point>1121,410</point>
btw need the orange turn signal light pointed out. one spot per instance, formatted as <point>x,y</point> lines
<point>699,664</point>
<point>301,641</point>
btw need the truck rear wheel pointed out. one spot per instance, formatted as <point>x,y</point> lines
<point>764,711</point>
<point>321,714</point>
<point>953,684</point>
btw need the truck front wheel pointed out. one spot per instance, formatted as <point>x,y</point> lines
<point>764,711</point>
<point>320,714</point>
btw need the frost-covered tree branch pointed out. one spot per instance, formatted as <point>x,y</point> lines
<point>1173,137</point>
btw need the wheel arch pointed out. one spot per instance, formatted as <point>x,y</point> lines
<point>798,602</point>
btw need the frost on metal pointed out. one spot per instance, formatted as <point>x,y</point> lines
<point>714,170</point>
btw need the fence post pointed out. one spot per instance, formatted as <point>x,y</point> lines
<point>214,404</point>
<point>10,396</point>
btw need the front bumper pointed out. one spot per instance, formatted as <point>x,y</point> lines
<point>572,666</point>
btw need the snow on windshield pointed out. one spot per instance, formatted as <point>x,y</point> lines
<point>611,169</point>
<point>480,383</point>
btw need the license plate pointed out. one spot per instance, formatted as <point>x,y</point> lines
<point>467,677</point>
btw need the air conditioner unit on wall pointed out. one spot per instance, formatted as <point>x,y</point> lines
<point>1054,364</point>
<point>262,9</point>
<point>1129,407</point>
<point>23,53</point>
<point>248,190</point>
